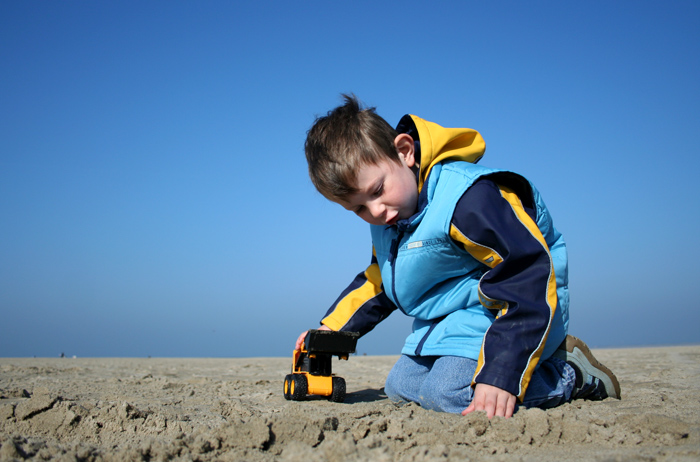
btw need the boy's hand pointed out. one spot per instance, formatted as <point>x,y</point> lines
<point>300,340</point>
<point>493,400</point>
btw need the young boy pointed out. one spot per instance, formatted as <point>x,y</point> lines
<point>469,252</point>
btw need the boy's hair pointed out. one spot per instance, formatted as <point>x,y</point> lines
<point>342,141</point>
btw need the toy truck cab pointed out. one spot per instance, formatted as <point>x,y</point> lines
<point>311,365</point>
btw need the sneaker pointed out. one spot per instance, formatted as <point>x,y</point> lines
<point>594,381</point>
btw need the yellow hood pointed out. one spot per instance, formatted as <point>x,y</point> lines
<point>439,143</point>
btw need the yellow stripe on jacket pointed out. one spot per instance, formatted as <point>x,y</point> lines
<point>354,300</point>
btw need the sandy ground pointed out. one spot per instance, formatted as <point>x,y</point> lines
<point>233,409</point>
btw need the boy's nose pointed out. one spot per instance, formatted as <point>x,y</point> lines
<point>377,210</point>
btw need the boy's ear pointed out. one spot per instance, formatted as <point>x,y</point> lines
<point>406,148</point>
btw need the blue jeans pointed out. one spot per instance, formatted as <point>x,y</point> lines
<point>443,383</point>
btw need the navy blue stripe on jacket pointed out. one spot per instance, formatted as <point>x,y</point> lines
<point>517,285</point>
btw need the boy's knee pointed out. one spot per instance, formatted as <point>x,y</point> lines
<point>393,389</point>
<point>440,396</point>
<point>405,379</point>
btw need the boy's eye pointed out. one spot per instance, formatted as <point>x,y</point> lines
<point>379,190</point>
<point>359,209</point>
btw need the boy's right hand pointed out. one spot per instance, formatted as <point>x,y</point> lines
<point>301,338</point>
<point>493,400</point>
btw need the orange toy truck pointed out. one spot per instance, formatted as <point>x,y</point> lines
<point>311,365</point>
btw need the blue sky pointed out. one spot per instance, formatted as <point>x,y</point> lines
<point>154,199</point>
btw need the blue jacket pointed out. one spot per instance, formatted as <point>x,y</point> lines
<point>429,276</point>
<point>479,267</point>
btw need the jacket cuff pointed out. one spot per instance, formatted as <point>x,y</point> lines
<point>332,324</point>
<point>505,379</point>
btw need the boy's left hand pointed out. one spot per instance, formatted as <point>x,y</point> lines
<point>493,400</point>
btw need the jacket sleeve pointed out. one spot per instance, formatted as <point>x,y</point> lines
<point>362,305</point>
<point>497,227</point>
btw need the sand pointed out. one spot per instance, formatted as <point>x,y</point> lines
<point>91,409</point>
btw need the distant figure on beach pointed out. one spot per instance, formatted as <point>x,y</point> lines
<point>470,252</point>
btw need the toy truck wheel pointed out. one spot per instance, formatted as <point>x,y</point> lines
<point>338,393</point>
<point>288,387</point>
<point>300,387</point>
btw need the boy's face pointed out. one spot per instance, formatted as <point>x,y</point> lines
<point>387,192</point>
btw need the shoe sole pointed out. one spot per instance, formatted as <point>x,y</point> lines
<point>576,348</point>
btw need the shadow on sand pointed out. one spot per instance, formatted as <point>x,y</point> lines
<point>367,395</point>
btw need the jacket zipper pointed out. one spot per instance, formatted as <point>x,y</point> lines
<point>393,253</point>
<point>419,348</point>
